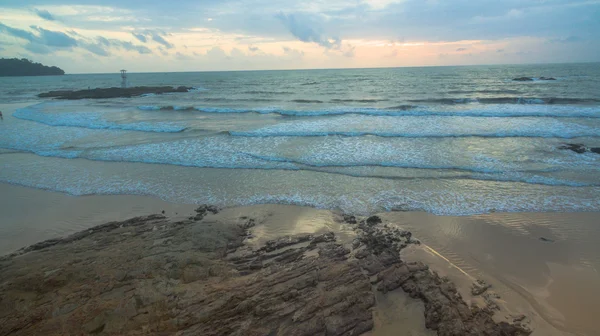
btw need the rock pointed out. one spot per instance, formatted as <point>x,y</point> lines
<point>490,301</point>
<point>350,219</point>
<point>479,287</point>
<point>523,79</point>
<point>203,210</point>
<point>577,148</point>
<point>206,282</point>
<point>373,220</point>
<point>104,93</point>
<point>530,79</point>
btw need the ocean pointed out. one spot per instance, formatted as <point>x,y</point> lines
<point>445,140</point>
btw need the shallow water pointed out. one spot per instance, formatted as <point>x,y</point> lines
<point>446,140</point>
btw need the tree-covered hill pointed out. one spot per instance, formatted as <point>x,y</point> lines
<point>25,67</point>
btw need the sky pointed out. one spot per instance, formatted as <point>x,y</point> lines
<point>98,36</point>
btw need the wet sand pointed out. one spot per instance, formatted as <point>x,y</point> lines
<point>552,281</point>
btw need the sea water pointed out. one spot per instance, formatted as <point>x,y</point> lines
<point>447,140</point>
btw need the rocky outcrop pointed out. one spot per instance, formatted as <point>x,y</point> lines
<point>579,148</point>
<point>105,93</point>
<point>530,79</point>
<point>523,79</point>
<point>153,276</point>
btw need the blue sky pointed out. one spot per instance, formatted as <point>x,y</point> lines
<point>150,35</point>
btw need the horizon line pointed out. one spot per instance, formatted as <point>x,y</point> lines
<point>348,68</point>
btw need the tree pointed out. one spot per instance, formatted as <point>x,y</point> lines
<point>25,67</point>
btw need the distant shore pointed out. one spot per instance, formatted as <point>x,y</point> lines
<point>177,236</point>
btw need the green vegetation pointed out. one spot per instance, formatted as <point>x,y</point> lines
<point>25,67</point>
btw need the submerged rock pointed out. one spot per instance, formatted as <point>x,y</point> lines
<point>547,78</point>
<point>104,93</point>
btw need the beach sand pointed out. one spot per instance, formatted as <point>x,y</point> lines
<point>542,265</point>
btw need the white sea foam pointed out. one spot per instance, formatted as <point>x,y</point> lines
<point>93,120</point>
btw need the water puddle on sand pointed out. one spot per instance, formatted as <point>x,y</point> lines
<point>553,281</point>
<point>399,315</point>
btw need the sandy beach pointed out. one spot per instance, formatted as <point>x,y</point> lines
<point>542,267</point>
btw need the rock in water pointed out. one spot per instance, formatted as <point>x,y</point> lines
<point>547,78</point>
<point>523,79</point>
<point>105,93</point>
<point>577,148</point>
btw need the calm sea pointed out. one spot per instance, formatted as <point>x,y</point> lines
<point>447,140</point>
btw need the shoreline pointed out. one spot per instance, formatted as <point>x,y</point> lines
<point>545,315</point>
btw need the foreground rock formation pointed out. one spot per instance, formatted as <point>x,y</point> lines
<point>150,275</point>
<point>104,93</point>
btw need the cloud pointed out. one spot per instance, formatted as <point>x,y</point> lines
<point>163,51</point>
<point>553,30</point>
<point>570,39</point>
<point>19,33</point>
<point>182,57</point>
<point>293,52</point>
<point>44,42</point>
<point>44,14</point>
<point>140,37</point>
<point>55,38</point>
<point>350,52</point>
<point>96,49</point>
<point>217,53</point>
<point>306,32</point>
<point>37,48</point>
<point>154,35</point>
<point>101,45</point>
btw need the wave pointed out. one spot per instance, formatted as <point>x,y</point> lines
<point>358,100</point>
<point>92,120</point>
<point>258,162</point>
<point>268,92</point>
<point>391,164</point>
<point>407,110</point>
<point>508,134</point>
<point>484,91</point>
<point>509,100</point>
<point>310,83</point>
<point>223,99</point>
<point>198,89</point>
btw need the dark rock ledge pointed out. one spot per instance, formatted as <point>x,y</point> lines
<point>579,148</point>
<point>149,275</point>
<point>105,93</point>
<point>530,79</point>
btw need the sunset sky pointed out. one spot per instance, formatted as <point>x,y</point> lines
<point>83,36</point>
